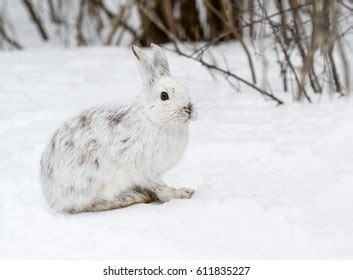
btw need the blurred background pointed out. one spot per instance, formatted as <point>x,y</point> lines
<point>309,40</point>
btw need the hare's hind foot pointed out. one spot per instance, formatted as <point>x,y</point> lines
<point>128,198</point>
<point>136,195</point>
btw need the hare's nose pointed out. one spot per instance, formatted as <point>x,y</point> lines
<point>188,108</point>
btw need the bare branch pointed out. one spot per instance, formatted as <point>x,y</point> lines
<point>229,74</point>
<point>36,19</point>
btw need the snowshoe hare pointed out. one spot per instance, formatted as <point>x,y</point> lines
<point>113,156</point>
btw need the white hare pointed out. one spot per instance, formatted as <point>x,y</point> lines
<point>113,156</point>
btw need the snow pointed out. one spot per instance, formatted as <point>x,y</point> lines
<point>271,182</point>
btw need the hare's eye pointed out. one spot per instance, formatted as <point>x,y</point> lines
<point>164,96</point>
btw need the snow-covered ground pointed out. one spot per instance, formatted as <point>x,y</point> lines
<point>271,182</point>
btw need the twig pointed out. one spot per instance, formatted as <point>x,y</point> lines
<point>237,36</point>
<point>79,33</point>
<point>116,22</point>
<point>230,74</point>
<point>285,53</point>
<point>6,37</point>
<point>36,19</point>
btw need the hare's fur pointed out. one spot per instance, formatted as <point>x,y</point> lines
<point>113,156</point>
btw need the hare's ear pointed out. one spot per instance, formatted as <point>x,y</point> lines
<point>146,67</point>
<point>160,61</point>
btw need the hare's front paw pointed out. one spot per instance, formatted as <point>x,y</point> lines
<point>183,193</point>
<point>168,193</point>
